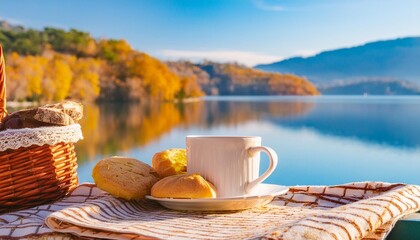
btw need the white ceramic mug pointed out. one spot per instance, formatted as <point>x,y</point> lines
<point>231,163</point>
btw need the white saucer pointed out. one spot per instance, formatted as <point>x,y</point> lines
<point>263,195</point>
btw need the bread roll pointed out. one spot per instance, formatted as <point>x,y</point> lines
<point>170,162</point>
<point>124,177</point>
<point>59,114</point>
<point>184,186</point>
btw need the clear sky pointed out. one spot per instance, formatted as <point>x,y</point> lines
<point>245,31</point>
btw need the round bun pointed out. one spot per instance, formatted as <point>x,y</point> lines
<point>124,177</point>
<point>184,186</point>
<point>170,162</point>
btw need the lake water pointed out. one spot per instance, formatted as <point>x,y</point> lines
<point>319,140</point>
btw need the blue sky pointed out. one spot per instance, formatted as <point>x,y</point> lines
<point>245,31</point>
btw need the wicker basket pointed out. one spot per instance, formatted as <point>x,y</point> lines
<point>34,175</point>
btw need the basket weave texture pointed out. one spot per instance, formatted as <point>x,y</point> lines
<point>34,175</point>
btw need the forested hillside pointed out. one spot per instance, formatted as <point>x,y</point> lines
<point>54,64</point>
<point>235,79</point>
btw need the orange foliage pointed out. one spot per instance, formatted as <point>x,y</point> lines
<point>72,64</point>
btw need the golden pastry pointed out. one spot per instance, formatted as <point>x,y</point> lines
<point>170,162</point>
<point>183,186</point>
<point>124,177</point>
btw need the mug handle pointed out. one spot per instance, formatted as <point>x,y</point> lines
<point>273,164</point>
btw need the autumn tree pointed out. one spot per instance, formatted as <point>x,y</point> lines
<point>85,82</point>
<point>57,80</point>
<point>156,78</point>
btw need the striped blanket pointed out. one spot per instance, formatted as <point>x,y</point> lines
<point>366,210</point>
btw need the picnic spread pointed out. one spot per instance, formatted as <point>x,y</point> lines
<point>364,210</point>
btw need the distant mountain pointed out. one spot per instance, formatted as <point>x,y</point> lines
<point>371,86</point>
<point>7,26</point>
<point>382,67</point>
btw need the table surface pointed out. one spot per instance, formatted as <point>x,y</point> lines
<point>407,227</point>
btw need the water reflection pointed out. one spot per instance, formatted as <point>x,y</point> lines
<point>374,120</point>
<point>112,128</point>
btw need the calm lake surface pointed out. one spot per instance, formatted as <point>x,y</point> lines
<point>319,140</point>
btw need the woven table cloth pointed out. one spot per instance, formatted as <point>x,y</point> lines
<point>363,210</point>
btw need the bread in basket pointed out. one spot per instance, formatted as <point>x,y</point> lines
<point>37,164</point>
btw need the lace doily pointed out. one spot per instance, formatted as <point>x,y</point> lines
<point>16,138</point>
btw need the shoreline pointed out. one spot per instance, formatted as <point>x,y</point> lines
<point>19,104</point>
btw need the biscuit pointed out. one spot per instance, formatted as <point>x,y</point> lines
<point>183,186</point>
<point>170,162</point>
<point>52,116</point>
<point>124,177</point>
<point>71,108</point>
